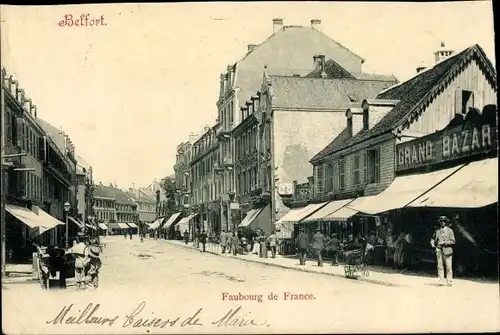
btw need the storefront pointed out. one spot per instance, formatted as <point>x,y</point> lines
<point>452,172</point>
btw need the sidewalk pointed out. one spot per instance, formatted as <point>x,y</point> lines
<point>375,277</point>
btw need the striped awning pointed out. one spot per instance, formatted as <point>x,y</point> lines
<point>171,220</point>
<point>132,225</point>
<point>103,226</point>
<point>123,225</point>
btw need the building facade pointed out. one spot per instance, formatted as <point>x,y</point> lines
<point>244,78</point>
<point>182,169</point>
<point>146,204</point>
<point>38,177</point>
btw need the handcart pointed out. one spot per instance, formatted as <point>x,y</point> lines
<point>355,262</point>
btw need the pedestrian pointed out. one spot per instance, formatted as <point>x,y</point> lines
<point>273,242</point>
<point>124,233</point>
<point>443,242</point>
<point>318,244</point>
<point>301,244</point>
<point>334,246</point>
<point>235,242</point>
<point>130,233</point>
<point>203,240</point>
<point>93,264</point>
<point>186,236</point>
<point>223,241</point>
<point>256,246</point>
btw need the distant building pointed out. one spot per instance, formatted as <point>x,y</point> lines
<point>112,205</point>
<point>146,203</point>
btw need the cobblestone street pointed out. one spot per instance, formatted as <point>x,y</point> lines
<point>175,281</point>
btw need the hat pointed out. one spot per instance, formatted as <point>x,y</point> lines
<point>94,252</point>
<point>317,229</point>
<point>444,219</point>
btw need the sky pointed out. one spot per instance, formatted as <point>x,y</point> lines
<point>129,92</point>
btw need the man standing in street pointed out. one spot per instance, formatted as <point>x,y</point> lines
<point>203,240</point>
<point>318,244</point>
<point>444,240</point>
<point>334,246</point>
<point>186,236</point>
<point>301,244</point>
<point>273,241</point>
<point>223,241</point>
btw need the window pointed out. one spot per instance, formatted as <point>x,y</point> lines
<point>329,178</point>
<point>373,166</point>
<point>255,177</point>
<point>365,119</point>
<point>342,174</point>
<point>349,125</point>
<point>356,171</point>
<point>464,100</point>
<point>319,179</point>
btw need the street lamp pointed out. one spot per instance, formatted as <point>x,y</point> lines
<point>66,210</point>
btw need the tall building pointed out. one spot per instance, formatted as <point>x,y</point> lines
<point>114,207</point>
<point>288,51</point>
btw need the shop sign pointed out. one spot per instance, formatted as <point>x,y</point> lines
<point>285,188</point>
<point>235,205</point>
<point>446,145</point>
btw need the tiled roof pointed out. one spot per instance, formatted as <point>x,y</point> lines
<point>54,133</point>
<point>336,144</point>
<point>413,93</point>
<point>114,193</point>
<point>332,70</point>
<point>374,76</point>
<point>286,52</point>
<point>319,93</point>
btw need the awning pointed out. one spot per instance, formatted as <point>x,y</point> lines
<point>185,220</point>
<point>296,216</point>
<point>289,217</point>
<point>341,215</point>
<point>473,186</point>
<point>103,226</point>
<point>24,215</point>
<point>156,224</point>
<point>251,215</point>
<point>330,208</point>
<point>113,225</point>
<point>122,225</point>
<point>132,225</point>
<point>46,219</point>
<point>171,220</point>
<point>401,192</point>
<point>90,226</point>
<point>259,219</point>
<point>78,223</point>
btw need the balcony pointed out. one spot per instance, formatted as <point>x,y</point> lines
<point>223,133</point>
<point>218,169</point>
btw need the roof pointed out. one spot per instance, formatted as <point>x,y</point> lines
<point>415,93</point>
<point>289,51</point>
<point>114,193</point>
<point>332,70</point>
<point>57,135</point>
<point>320,93</point>
<point>336,144</point>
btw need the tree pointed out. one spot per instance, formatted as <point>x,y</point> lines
<point>168,187</point>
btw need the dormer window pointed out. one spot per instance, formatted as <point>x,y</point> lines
<point>349,124</point>
<point>365,119</point>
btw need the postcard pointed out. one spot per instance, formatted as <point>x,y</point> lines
<point>249,168</point>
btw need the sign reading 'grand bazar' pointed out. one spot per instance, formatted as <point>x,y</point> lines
<point>446,145</point>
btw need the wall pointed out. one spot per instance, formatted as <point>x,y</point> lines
<point>442,109</point>
<point>298,136</point>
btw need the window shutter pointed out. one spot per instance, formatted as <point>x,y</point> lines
<point>458,101</point>
<point>20,133</point>
<point>21,185</point>
<point>42,149</point>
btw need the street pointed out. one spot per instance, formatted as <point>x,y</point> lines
<point>174,282</point>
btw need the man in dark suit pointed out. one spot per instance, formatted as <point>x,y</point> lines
<point>302,244</point>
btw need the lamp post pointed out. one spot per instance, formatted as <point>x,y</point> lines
<point>66,211</point>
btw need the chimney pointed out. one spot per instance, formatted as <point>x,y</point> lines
<point>442,53</point>
<point>316,24</point>
<point>33,110</point>
<point>421,68</point>
<point>27,105</point>
<point>319,64</point>
<point>277,25</point>
<point>20,96</point>
<point>192,137</point>
<point>251,47</point>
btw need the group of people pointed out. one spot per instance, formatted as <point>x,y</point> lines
<point>127,232</point>
<point>256,243</point>
<point>87,264</point>
<point>318,243</point>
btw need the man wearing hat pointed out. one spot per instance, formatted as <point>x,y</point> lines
<point>333,245</point>
<point>93,264</point>
<point>318,244</point>
<point>443,241</point>
<point>301,244</point>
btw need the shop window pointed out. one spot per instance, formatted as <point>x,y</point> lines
<point>373,165</point>
<point>342,174</point>
<point>356,171</point>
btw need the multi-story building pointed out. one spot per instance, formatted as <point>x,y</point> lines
<point>39,177</point>
<point>286,122</point>
<point>205,181</point>
<point>288,51</point>
<point>182,169</point>
<point>146,204</point>
<point>113,207</point>
<point>360,163</point>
